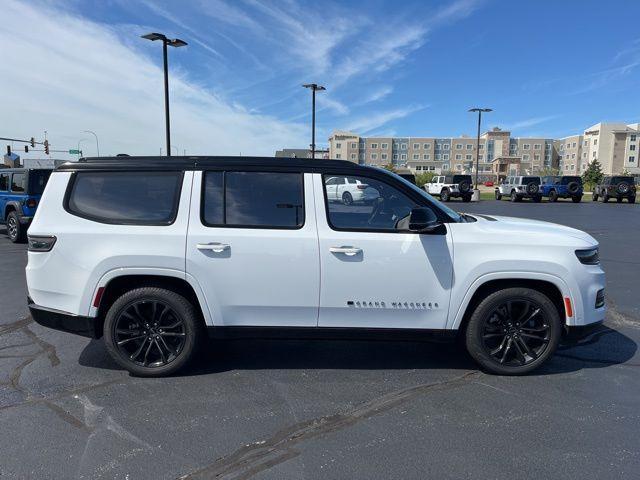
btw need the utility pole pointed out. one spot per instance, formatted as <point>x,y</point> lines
<point>314,88</point>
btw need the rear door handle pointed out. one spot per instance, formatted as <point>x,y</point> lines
<point>213,246</point>
<point>350,251</point>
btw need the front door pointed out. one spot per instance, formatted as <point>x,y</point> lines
<point>253,247</point>
<point>374,274</point>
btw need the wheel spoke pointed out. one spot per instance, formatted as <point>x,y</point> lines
<point>529,351</point>
<point>127,340</point>
<point>168,347</point>
<point>173,334</point>
<point>523,358</point>
<point>493,335</point>
<point>146,354</point>
<point>174,325</point>
<point>533,314</point>
<point>162,355</point>
<point>506,350</point>
<point>525,310</point>
<point>500,347</point>
<point>121,331</point>
<point>139,350</point>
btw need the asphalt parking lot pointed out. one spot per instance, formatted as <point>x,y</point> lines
<point>331,409</point>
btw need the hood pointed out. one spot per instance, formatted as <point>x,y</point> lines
<point>530,227</point>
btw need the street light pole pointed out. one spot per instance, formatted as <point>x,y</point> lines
<point>480,111</point>
<point>166,42</point>
<point>94,134</point>
<point>314,88</point>
<point>79,142</point>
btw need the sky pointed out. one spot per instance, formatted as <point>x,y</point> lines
<point>402,68</point>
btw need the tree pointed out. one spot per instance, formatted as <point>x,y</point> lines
<point>423,178</point>
<point>390,166</point>
<point>548,171</point>
<point>593,174</point>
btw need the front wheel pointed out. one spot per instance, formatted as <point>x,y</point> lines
<point>514,196</point>
<point>347,198</point>
<point>576,199</point>
<point>152,331</point>
<point>15,230</point>
<point>498,195</point>
<point>513,331</point>
<point>553,196</point>
<point>444,195</point>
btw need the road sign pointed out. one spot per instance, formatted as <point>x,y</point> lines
<point>74,152</point>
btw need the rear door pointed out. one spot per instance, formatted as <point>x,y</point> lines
<point>253,247</point>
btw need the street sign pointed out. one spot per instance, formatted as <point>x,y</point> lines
<point>74,152</point>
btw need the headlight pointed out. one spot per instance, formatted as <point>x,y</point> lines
<point>589,256</point>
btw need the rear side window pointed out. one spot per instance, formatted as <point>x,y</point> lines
<point>18,181</point>
<point>137,198</point>
<point>253,199</point>
<point>37,181</point>
<point>4,182</point>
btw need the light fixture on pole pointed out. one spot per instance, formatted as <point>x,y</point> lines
<point>94,134</point>
<point>175,42</point>
<point>480,112</point>
<point>314,88</point>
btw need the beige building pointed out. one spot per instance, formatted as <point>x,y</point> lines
<point>499,153</point>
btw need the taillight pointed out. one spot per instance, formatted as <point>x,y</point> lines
<point>362,186</point>
<point>41,243</point>
<point>31,203</point>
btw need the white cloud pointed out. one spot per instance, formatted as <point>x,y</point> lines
<point>70,74</point>
<point>377,120</point>
<point>529,122</point>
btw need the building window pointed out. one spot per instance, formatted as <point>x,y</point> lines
<point>632,147</point>
<point>374,156</point>
<point>445,146</point>
<point>573,146</point>
<point>595,141</point>
<point>384,146</point>
<point>469,146</point>
<point>585,143</point>
<point>480,157</point>
<point>537,146</point>
<point>395,156</point>
<point>338,156</point>
<point>536,157</point>
<point>458,146</point>
<point>526,146</point>
<point>594,154</point>
<point>481,146</point>
<point>632,138</point>
<point>438,156</point>
<point>383,156</point>
<point>354,145</point>
<point>418,167</point>
<point>468,157</point>
<point>374,145</point>
<point>416,146</point>
<point>445,166</point>
<point>445,156</point>
<point>459,167</point>
<point>458,156</point>
<point>426,156</point>
<point>525,157</point>
<point>632,159</point>
<point>573,167</point>
<point>426,146</point>
<point>416,156</point>
<point>338,145</point>
<point>403,156</point>
<point>353,156</point>
<point>403,146</point>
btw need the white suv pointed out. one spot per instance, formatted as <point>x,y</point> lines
<point>517,188</point>
<point>154,253</point>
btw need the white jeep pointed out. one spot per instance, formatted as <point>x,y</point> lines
<point>450,186</point>
<point>153,254</point>
<point>517,188</point>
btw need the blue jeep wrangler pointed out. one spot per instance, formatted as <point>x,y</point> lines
<point>561,186</point>
<point>20,192</point>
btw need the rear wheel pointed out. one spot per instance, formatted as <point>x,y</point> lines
<point>513,331</point>
<point>347,198</point>
<point>152,331</point>
<point>553,196</point>
<point>576,199</point>
<point>605,198</point>
<point>466,198</point>
<point>632,199</point>
<point>537,198</point>
<point>15,230</point>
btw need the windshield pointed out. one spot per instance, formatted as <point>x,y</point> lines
<point>38,180</point>
<point>535,180</point>
<point>568,180</point>
<point>455,216</point>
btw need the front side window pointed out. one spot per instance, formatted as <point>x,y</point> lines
<point>18,181</point>
<point>145,198</point>
<point>255,199</point>
<point>374,205</point>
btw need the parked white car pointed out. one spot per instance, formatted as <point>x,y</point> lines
<point>450,186</point>
<point>349,190</point>
<point>154,253</point>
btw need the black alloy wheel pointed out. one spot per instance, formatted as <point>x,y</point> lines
<point>152,331</point>
<point>513,331</point>
<point>347,198</point>
<point>15,230</point>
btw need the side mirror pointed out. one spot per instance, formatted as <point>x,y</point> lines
<point>423,220</point>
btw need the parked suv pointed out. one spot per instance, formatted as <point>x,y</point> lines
<point>517,188</point>
<point>153,253</point>
<point>450,186</point>
<point>20,192</point>
<point>617,187</point>
<point>555,187</point>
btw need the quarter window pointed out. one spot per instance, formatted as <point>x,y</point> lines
<point>144,198</point>
<point>375,205</point>
<point>18,181</point>
<point>255,199</point>
<point>4,182</point>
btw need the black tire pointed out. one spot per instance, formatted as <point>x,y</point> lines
<point>632,199</point>
<point>532,188</point>
<point>514,196</point>
<point>178,331</point>
<point>498,195</point>
<point>464,187</point>
<point>605,198</point>
<point>445,195</point>
<point>491,326</point>
<point>466,198</point>
<point>553,196</point>
<point>347,198</point>
<point>623,188</point>
<point>15,230</point>
<point>594,197</point>
<point>576,199</point>
<point>537,198</point>
<point>619,199</point>
<point>573,188</point>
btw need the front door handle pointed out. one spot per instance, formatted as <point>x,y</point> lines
<point>349,251</point>
<point>213,246</point>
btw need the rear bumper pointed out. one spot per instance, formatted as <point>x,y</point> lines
<point>64,321</point>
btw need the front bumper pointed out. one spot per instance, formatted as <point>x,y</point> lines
<point>574,333</point>
<point>64,321</point>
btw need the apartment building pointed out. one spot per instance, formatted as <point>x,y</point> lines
<point>499,154</point>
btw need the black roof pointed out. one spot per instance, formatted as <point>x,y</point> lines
<point>198,162</point>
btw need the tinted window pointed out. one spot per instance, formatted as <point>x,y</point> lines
<point>254,199</point>
<point>374,205</point>
<point>126,197</point>
<point>527,180</point>
<point>568,180</point>
<point>18,182</point>
<point>38,180</point>
<point>616,180</point>
<point>4,182</point>
<point>461,178</point>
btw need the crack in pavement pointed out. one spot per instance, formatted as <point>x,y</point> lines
<point>259,456</point>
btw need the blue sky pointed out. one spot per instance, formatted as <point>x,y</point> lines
<point>547,68</point>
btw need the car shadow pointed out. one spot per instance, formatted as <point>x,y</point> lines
<point>602,349</point>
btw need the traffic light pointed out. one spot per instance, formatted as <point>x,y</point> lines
<point>33,143</point>
<point>26,149</point>
<point>46,147</point>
